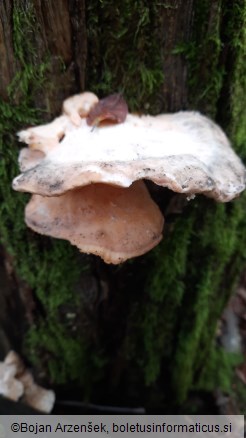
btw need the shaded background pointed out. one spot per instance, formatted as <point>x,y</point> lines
<point>142,333</point>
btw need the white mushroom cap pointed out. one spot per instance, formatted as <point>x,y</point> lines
<point>16,382</point>
<point>29,158</point>
<point>45,137</point>
<point>36,396</point>
<point>185,152</point>
<point>10,387</point>
<point>79,106</point>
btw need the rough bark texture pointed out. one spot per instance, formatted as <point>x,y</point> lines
<point>143,332</point>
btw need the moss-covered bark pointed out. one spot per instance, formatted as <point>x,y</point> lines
<point>144,330</point>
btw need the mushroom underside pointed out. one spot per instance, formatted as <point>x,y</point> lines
<point>112,222</point>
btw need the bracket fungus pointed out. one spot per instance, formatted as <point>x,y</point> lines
<point>88,163</point>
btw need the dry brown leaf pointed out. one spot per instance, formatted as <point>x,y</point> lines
<point>113,108</point>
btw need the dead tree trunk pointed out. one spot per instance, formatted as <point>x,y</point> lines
<point>143,332</point>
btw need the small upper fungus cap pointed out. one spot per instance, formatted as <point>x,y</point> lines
<point>112,222</point>
<point>46,137</point>
<point>185,152</point>
<point>79,106</point>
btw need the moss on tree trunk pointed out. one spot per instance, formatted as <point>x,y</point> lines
<point>142,332</point>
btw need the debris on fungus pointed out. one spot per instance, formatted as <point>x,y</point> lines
<point>113,108</point>
<point>185,152</point>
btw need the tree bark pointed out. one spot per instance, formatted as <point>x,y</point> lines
<point>143,332</point>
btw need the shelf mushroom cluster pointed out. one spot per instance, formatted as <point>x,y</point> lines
<point>86,169</point>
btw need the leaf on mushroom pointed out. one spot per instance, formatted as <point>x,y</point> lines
<point>113,108</point>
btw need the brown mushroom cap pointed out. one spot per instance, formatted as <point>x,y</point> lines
<point>112,222</point>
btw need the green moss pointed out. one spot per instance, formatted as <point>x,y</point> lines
<point>239,394</point>
<point>50,267</point>
<point>199,261</point>
<point>202,52</point>
<point>177,320</point>
<point>173,266</point>
<point>24,27</point>
<point>31,75</point>
<point>238,84</point>
<point>67,356</point>
<point>220,244</point>
<point>164,290</point>
<point>219,370</point>
<point>124,50</point>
